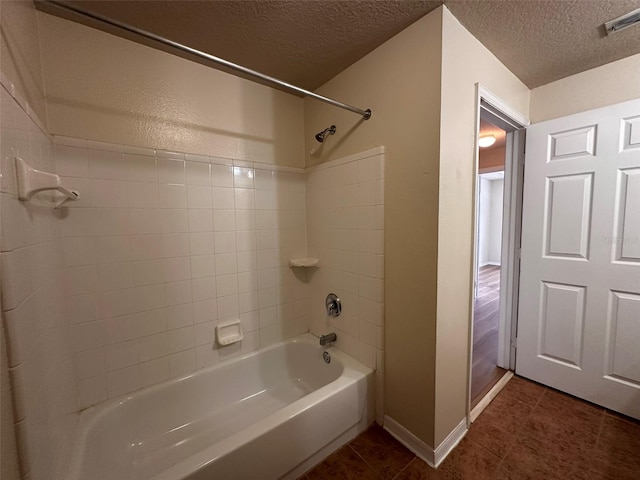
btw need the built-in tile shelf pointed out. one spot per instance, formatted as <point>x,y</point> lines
<point>305,262</point>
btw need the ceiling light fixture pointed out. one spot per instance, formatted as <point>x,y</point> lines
<point>625,21</point>
<point>486,141</point>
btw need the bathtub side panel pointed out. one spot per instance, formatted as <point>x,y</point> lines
<point>294,441</point>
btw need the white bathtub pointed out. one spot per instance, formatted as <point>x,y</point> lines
<point>271,414</point>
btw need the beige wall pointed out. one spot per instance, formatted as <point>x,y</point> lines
<point>612,83</point>
<point>465,61</point>
<point>400,82</point>
<point>103,87</point>
<point>491,160</point>
<point>20,52</point>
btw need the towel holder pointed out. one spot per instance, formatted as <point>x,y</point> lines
<point>32,181</point>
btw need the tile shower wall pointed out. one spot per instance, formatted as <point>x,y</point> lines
<point>163,245</point>
<point>41,366</point>
<point>345,209</point>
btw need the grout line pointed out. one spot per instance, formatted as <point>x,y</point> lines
<point>360,456</point>
<point>405,467</point>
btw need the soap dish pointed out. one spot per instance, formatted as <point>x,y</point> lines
<point>304,262</point>
<point>229,332</point>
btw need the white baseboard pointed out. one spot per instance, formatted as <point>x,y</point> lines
<point>491,394</point>
<point>432,457</point>
<point>450,442</point>
<point>496,264</point>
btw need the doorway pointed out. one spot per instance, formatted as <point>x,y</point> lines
<point>498,209</point>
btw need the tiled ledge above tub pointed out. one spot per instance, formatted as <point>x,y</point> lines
<point>348,159</point>
<point>192,157</point>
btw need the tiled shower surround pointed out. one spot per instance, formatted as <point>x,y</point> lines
<point>39,347</point>
<point>345,225</point>
<point>161,246</point>
<point>123,288</point>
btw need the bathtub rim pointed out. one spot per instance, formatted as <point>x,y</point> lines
<point>353,370</point>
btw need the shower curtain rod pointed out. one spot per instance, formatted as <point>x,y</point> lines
<point>366,114</point>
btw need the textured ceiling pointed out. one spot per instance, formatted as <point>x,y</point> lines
<point>544,40</point>
<point>307,42</point>
<point>304,42</point>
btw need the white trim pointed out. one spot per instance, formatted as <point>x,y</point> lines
<point>486,400</point>
<point>449,443</point>
<point>350,158</point>
<point>409,440</point>
<point>514,149</point>
<point>495,101</point>
<point>432,457</point>
<point>495,264</point>
<point>159,153</point>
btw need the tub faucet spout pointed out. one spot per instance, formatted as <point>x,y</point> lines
<point>328,338</point>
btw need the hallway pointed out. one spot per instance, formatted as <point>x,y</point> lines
<point>485,373</point>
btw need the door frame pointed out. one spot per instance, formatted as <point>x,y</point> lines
<point>488,104</point>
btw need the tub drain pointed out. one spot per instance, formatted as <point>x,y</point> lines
<point>327,357</point>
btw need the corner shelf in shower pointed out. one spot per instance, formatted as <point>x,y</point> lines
<point>306,262</point>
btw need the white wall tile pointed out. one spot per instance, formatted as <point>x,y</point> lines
<point>177,292</point>
<point>111,248</point>
<point>246,261</point>
<point>114,276</point>
<point>172,196</point>
<point>221,175</point>
<point>148,272</point>
<point>180,339</point>
<point>110,221</point>
<point>182,363</point>
<point>146,247</point>
<point>222,198</point>
<point>198,174</point>
<point>179,316</point>
<point>200,220</point>
<point>108,193</point>
<point>226,263</point>
<point>175,220</point>
<point>202,266</point>
<point>71,161</point>
<point>106,165</point>
<point>171,171</point>
<point>224,242</point>
<point>154,371</point>
<point>176,269</point>
<point>123,381</point>
<point>198,196</point>
<point>175,245</point>
<point>246,240</point>
<point>79,251</point>
<point>227,285</point>
<point>141,168</point>
<point>201,243</point>
<point>143,195</point>
<point>224,220</point>
<point>244,199</point>
<point>243,177</point>
<point>203,288</point>
<point>228,306</point>
<point>92,390</point>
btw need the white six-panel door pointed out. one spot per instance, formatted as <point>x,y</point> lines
<point>579,308</point>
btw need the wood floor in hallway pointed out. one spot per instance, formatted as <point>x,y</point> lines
<point>485,372</point>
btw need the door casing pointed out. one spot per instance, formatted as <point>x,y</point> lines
<point>489,105</point>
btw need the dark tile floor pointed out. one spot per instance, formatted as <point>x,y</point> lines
<point>528,432</point>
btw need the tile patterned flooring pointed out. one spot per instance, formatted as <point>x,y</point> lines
<point>528,432</point>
